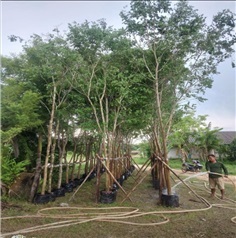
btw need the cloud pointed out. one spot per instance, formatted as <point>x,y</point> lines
<point>220,105</point>
<point>28,17</point>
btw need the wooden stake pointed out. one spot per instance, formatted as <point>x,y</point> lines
<point>82,183</point>
<point>127,196</point>
<point>115,179</point>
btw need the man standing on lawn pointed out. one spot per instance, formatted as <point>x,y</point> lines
<point>215,170</point>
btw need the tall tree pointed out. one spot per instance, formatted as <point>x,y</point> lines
<point>185,133</point>
<point>108,82</point>
<point>207,141</point>
<point>180,54</point>
<point>20,107</point>
<point>53,63</point>
<point>45,66</point>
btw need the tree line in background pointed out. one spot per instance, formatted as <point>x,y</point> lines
<point>110,85</point>
<point>201,141</point>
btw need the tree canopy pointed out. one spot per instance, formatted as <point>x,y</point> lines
<point>115,83</point>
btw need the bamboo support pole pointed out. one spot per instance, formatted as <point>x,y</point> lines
<point>82,183</point>
<point>147,161</point>
<point>136,164</point>
<point>127,196</point>
<point>181,180</point>
<point>114,178</point>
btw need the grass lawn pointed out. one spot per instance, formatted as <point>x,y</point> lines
<point>193,217</point>
<point>177,164</point>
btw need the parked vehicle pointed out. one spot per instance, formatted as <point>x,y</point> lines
<point>195,167</point>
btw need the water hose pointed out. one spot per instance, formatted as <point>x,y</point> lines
<point>85,215</point>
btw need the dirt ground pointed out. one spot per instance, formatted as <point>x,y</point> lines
<point>197,214</point>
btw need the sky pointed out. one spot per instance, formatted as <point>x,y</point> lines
<point>25,18</point>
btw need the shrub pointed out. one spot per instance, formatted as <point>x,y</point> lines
<point>10,169</point>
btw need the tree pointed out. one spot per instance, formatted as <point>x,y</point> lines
<point>43,69</point>
<point>180,53</point>
<point>109,84</point>
<point>207,141</point>
<point>51,63</point>
<point>20,108</point>
<point>231,152</point>
<point>185,132</point>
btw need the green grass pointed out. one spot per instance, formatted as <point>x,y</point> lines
<point>177,164</point>
<point>144,197</point>
<point>140,160</point>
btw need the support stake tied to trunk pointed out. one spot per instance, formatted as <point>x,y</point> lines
<point>114,178</point>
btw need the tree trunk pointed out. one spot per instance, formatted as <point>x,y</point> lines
<point>163,133</point>
<point>15,147</point>
<point>50,126</point>
<point>75,158</point>
<point>37,171</point>
<point>63,156</point>
<point>52,158</point>
<point>98,179</point>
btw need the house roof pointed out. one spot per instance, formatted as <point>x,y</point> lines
<point>226,136</point>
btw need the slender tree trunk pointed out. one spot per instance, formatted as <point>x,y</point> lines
<point>75,158</point>
<point>38,170</point>
<point>98,179</point>
<point>50,126</point>
<point>15,147</point>
<point>63,156</point>
<point>54,142</point>
<point>80,164</point>
<point>162,129</point>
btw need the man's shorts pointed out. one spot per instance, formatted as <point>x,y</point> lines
<point>219,182</point>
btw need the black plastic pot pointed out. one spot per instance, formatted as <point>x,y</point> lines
<point>92,175</point>
<point>108,196</point>
<point>59,192</point>
<point>102,170</point>
<point>115,186</point>
<point>127,174</point>
<point>123,177</point>
<point>156,183</point>
<point>68,187</point>
<point>77,182</point>
<point>42,199</point>
<point>71,183</point>
<point>83,176</point>
<point>170,200</point>
<point>132,168</point>
<point>120,180</point>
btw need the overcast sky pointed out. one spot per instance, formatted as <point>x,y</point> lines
<point>24,18</point>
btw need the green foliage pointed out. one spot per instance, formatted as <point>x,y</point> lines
<point>228,151</point>
<point>177,164</point>
<point>145,149</point>
<point>10,169</point>
<point>182,51</point>
<point>27,142</point>
<point>207,140</point>
<point>185,131</point>
<point>20,109</point>
<point>110,85</point>
<point>230,166</point>
<point>232,151</point>
<point>140,160</point>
